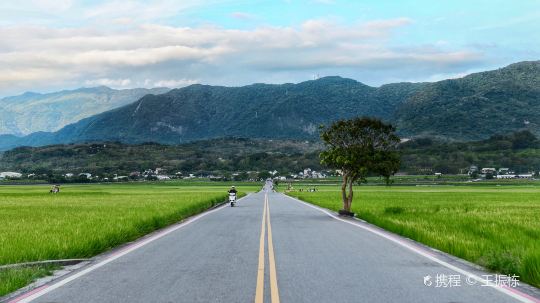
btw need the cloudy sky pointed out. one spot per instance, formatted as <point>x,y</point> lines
<point>47,45</point>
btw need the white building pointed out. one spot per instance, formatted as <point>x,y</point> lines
<point>317,175</point>
<point>10,174</point>
<point>488,170</point>
<point>473,169</point>
<point>504,171</point>
<point>159,171</point>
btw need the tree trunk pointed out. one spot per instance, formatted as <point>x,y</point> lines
<point>344,191</point>
<point>350,197</point>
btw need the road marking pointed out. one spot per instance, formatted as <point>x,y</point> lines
<point>271,260</point>
<point>274,292</point>
<point>259,293</point>
<point>34,294</point>
<point>514,293</point>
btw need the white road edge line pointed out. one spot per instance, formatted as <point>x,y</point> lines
<point>48,288</point>
<point>510,292</point>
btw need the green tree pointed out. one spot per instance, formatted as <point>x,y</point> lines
<point>359,147</point>
<point>524,139</point>
<point>263,175</point>
<point>241,176</point>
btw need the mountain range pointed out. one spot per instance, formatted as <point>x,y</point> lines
<point>474,107</point>
<point>32,112</point>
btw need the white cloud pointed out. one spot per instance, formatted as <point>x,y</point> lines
<point>52,5</point>
<point>123,20</point>
<point>174,83</point>
<point>526,18</point>
<point>108,82</point>
<point>122,8</point>
<point>98,13</point>
<point>140,55</point>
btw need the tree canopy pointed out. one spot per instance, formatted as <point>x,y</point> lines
<point>360,147</point>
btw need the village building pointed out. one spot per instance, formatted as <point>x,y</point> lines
<point>10,175</point>
<point>488,170</point>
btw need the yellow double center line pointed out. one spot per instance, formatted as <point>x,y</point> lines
<point>274,292</point>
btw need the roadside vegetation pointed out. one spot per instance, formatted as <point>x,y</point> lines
<point>15,278</point>
<point>518,151</point>
<point>84,220</point>
<point>216,156</point>
<point>494,226</point>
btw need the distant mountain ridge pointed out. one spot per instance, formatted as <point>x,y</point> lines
<point>32,112</point>
<point>474,107</point>
<point>255,111</point>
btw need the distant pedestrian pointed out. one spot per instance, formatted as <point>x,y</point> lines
<point>55,189</point>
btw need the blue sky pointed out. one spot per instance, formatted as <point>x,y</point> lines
<point>48,45</point>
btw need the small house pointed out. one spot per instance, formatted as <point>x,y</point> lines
<point>489,170</point>
<point>10,175</point>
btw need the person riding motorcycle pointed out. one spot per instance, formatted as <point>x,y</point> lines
<point>232,195</point>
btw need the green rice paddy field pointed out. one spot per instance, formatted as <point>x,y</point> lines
<point>497,227</point>
<point>494,226</point>
<point>84,220</point>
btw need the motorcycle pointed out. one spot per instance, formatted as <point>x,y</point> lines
<point>232,199</point>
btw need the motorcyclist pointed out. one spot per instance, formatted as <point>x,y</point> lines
<point>232,196</point>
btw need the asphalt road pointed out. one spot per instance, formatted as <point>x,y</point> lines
<point>303,255</point>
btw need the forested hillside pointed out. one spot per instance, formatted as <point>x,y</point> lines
<point>471,108</point>
<point>476,106</point>
<point>518,151</point>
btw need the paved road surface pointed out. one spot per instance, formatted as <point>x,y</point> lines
<point>312,257</point>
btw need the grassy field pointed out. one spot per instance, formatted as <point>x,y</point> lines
<point>12,279</point>
<point>413,180</point>
<point>495,226</point>
<point>84,220</point>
